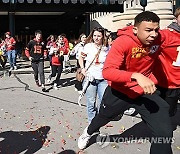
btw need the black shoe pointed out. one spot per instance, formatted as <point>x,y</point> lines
<point>43,89</point>
<point>37,83</point>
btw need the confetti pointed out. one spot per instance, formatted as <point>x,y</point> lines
<point>63,141</point>
<point>109,125</point>
<point>139,149</point>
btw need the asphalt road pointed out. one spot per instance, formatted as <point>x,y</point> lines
<point>51,122</point>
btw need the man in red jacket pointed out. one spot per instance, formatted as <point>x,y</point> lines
<point>167,70</point>
<point>128,68</point>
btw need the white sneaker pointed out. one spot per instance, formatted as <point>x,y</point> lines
<point>130,111</point>
<point>10,69</point>
<point>48,80</point>
<point>15,67</point>
<point>55,86</point>
<point>83,140</point>
<point>80,92</point>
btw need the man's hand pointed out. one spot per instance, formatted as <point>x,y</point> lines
<point>146,83</point>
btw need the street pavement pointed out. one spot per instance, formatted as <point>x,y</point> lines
<point>32,121</point>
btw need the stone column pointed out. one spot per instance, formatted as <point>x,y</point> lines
<point>164,9</point>
<point>131,9</point>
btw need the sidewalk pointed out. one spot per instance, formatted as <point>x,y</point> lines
<point>25,108</point>
<point>24,66</point>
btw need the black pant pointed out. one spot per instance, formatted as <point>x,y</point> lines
<point>152,108</point>
<point>56,69</point>
<point>38,68</point>
<point>171,96</point>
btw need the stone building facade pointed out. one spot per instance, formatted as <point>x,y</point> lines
<point>113,21</point>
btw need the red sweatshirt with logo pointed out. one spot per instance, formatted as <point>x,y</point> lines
<point>127,56</point>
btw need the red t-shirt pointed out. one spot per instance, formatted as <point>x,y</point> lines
<point>56,58</point>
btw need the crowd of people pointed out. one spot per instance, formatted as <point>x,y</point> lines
<point>137,67</point>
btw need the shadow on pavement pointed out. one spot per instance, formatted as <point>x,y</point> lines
<point>67,82</point>
<point>67,152</point>
<point>45,94</point>
<point>17,142</point>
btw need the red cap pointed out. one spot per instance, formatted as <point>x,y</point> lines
<point>8,33</point>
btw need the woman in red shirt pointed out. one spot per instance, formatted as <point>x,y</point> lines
<point>56,52</point>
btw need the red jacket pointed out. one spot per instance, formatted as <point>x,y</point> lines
<point>127,56</point>
<point>10,43</point>
<point>167,69</point>
<point>56,59</point>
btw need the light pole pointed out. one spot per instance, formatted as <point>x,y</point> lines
<point>11,14</point>
<point>143,3</point>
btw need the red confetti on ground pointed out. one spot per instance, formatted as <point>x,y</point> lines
<point>63,141</point>
<point>80,152</point>
<point>109,125</point>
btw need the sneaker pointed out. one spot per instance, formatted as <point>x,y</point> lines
<point>15,67</point>
<point>10,69</point>
<point>37,83</point>
<point>83,140</point>
<point>48,80</point>
<point>55,86</point>
<point>130,111</point>
<point>43,88</point>
<point>80,92</point>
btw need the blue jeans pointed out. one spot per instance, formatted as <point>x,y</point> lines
<point>97,87</point>
<point>12,57</point>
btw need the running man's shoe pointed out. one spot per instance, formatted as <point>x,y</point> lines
<point>84,139</point>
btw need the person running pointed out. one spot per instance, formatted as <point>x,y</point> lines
<point>10,43</point>
<point>95,42</point>
<point>56,53</point>
<point>128,68</point>
<point>36,52</point>
<point>168,65</point>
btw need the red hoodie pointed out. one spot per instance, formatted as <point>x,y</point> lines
<point>127,56</point>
